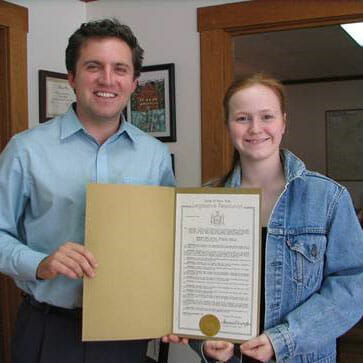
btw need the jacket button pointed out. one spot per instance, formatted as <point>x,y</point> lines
<point>314,251</point>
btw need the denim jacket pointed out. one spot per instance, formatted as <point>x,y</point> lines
<point>313,266</point>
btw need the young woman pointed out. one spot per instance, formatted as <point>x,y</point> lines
<point>312,241</point>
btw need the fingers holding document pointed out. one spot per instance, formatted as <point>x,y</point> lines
<point>174,339</point>
<point>259,348</point>
<point>218,350</point>
<point>70,259</point>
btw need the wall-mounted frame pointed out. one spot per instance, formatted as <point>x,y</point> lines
<point>344,144</point>
<point>55,95</point>
<point>152,106</point>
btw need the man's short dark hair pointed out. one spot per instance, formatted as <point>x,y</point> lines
<point>104,28</point>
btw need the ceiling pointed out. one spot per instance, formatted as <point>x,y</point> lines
<point>300,54</point>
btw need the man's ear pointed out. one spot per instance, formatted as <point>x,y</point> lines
<point>70,78</point>
<point>135,84</point>
<point>71,81</point>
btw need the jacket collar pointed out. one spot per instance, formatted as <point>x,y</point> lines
<point>293,167</point>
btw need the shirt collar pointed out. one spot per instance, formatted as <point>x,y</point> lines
<point>128,129</point>
<point>71,125</point>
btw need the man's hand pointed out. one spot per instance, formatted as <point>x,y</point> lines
<point>71,259</point>
<point>174,339</point>
<point>218,350</point>
<point>259,348</point>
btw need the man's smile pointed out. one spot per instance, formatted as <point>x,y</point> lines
<point>105,94</point>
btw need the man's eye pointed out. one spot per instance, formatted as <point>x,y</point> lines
<point>92,67</point>
<point>121,70</point>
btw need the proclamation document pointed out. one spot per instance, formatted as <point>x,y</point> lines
<point>217,265</point>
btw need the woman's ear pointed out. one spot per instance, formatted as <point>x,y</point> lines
<point>284,116</point>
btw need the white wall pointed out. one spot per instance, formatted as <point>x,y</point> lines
<point>50,24</point>
<point>306,108</point>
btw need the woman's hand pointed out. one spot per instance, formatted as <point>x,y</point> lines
<point>219,350</point>
<point>174,339</point>
<point>259,348</point>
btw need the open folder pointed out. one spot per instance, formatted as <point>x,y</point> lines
<point>182,261</point>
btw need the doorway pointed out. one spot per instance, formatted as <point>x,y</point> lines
<point>218,26</point>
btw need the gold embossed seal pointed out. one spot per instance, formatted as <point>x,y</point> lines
<point>209,325</point>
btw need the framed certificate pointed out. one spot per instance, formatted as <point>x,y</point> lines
<point>55,95</point>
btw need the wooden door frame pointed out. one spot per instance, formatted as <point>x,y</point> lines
<point>14,102</point>
<point>217,26</point>
<point>14,21</point>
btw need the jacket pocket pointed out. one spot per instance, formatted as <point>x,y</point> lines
<point>307,252</point>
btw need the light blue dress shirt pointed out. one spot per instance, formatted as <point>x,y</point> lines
<point>43,176</point>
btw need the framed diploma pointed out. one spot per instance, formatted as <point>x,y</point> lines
<point>184,261</point>
<point>55,95</point>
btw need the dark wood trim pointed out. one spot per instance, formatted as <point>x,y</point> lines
<point>4,90</point>
<point>14,16</point>
<point>217,26</point>
<point>14,109</point>
<point>277,14</point>
<point>323,79</point>
<point>14,21</point>
<point>18,80</point>
<point>216,74</point>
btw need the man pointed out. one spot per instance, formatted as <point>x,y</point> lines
<point>43,178</point>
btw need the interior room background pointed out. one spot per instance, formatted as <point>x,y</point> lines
<point>167,30</point>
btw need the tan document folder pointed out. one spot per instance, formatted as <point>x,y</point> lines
<point>130,231</point>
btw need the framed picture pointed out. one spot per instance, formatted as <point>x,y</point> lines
<point>55,95</point>
<point>152,106</point>
<point>344,144</point>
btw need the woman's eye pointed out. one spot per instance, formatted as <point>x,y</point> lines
<point>242,119</point>
<point>267,117</point>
